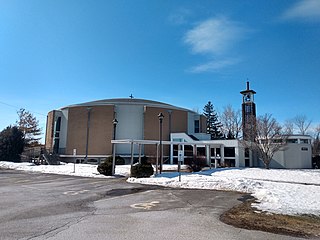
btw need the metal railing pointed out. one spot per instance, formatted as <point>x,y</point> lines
<point>50,157</point>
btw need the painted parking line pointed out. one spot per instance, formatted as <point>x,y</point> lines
<point>145,206</point>
<point>73,193</point>
<point>23,181</point>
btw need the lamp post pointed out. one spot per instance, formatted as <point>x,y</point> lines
<point>114,122</point>
<point>160,116</point>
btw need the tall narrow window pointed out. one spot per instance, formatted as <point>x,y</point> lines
<point>56,145</point>
<point>248,108</point>
<point>57,136</point>
<point>58,124</point>
<point>196,126</point>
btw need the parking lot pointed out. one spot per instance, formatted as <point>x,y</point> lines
<point>44,206</point>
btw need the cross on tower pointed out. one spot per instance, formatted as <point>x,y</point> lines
<point>131,96</point>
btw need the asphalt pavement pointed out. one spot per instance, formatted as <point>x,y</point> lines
<point>47,206</point>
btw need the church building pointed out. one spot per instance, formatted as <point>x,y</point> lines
<point>89,132</point>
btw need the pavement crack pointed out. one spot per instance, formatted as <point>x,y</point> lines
<point>58,229</point>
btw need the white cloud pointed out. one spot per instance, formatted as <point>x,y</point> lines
<point>304,10</point>
<point>214,66</point>
<point>214,36</point>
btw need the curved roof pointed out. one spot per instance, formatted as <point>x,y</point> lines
<point>127,101</point>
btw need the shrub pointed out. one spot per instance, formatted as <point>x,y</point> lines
<point>105,167</point>
<point>196,164</point>
<point>143,169</point>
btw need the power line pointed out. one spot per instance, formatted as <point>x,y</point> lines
<point>16,107</point>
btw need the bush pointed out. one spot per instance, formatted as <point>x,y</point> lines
<point>143,169</point>
<point>197,164</point>
<point>105,167</point>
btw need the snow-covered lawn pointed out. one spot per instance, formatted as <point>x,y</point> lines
<point>278,191</point>
<point>82,170</point>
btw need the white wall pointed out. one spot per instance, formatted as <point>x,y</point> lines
<point>295,157</point>
<point>64,128</point>
<point>191,118</point>
<point>130,126</point>
<point>278,160</point>
<point>241,158</point>
<point>202,136</point>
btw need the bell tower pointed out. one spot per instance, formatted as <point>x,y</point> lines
<point>248,113</point>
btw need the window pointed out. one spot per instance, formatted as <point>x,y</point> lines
<point>56,145</point>
<point>229,162</point>
<point>177,140</point>
<point>188,151</point>
<point>229,152</point>
<point>58,124</point>
<point>247,153</point>
<point>276,140</point>
<point>248,109</point>
<point>201,151</point>
<point>196,126</point>
<point>304,141</point>
<point>217,151</point>
<point>292,140</point>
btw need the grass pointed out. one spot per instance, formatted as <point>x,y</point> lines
<point>245,216</point>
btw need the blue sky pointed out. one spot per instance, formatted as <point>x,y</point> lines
<point>55,53</point>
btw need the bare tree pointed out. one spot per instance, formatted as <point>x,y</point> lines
<point>317,131</point>
<point>288,127</point>
<point>316,141</point>
<point>302,123</point>
<point>268,139</point>
<point>231,120</point>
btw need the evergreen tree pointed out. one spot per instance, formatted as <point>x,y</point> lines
<point>11,144</point>
<point>213,124</point>
<point>29,126</point>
